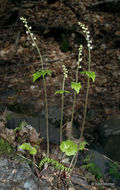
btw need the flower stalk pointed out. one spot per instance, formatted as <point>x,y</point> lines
<point>33,38</point>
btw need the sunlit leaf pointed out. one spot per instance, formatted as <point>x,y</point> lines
<point>90,74</point>
<point>61,91</point>
<point>76,86</point>
<point>42,73</point>
<point>33,151</point>
<point>69,147</point>
<point>27,146</point>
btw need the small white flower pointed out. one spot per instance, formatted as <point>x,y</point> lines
<point>34,38</point>
<point>27,32</point>
<point>30,27</point>
<point>33,44</point>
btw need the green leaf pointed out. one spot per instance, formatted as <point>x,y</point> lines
<point>90,74</point>
<point>33,151</point>
<point>61,91</point>
<point>27,146</point>
<point>20,126</point>
<point>42,73</point>
<point>76,86</point>
<point>82,145</point>
<point>69,147</point>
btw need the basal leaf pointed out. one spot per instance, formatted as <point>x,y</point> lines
<point>76,86</point>
<point>42,73</point>
<point>69,147</point>
<point>61,91</point>
<point>33,151</point>
<point>90,74</point>
<point>25,146</point>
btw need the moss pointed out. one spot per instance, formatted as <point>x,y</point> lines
<point>5,147</point>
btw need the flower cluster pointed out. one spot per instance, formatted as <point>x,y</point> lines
<point>79,56</point>
<point>87,33</point>
<point>65,72</point>
<point>28,30</point>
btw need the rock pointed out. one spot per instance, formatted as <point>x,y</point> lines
<point>18,175</point>
<point>100,162</point>
<point>91,115</point>
<point>2,107</point>
<point>8,92</point>
<point>39,123</point>
<point>109,137</point>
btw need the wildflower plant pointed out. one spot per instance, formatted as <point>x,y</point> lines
<point>68,147</point>
<point>65,72</point>
<point>40,73</point>
<point>76,85</point>
<point>89,73</point>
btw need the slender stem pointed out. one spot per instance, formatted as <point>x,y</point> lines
<point>44,81</point>
<point>85,110</point>
<point>73,110</point>
<point>47,127</point>
<point>45,92</point>
<point>74,100</point>
<point>72,161</point>
<point>86,99</point>
<point>61,121</point>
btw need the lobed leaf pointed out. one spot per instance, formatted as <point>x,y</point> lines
<point>69,147</point>
<point>90,74</point>
<point>76,86</point>
<point>27,146</point>
<point>42,73</point>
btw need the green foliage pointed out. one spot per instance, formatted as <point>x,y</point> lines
<point>82,145</point>
<point>69,147</point>
<point>90,74</point>
<point>61,91</point>
<point>20,126</point>
<point>27,146</point>
<point>55,164</point>
<point>76,86</point>
<point>92,168</point>
<point>114,171</point>
<point>5,147</point>
<point>42,73</point>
